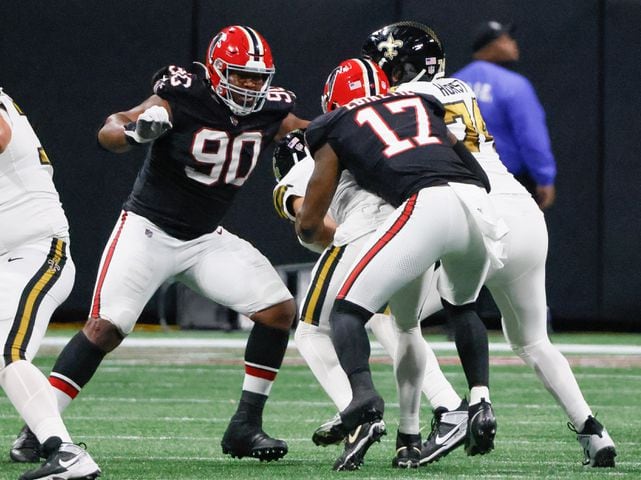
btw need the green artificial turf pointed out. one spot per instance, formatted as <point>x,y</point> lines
<point>159,413</point>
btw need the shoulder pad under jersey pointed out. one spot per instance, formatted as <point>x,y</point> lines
<point>174,81</point>
<point>279,99</point>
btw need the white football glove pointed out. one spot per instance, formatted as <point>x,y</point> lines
<point>151,124</point>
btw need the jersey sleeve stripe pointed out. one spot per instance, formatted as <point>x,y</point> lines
<point>279,201</point>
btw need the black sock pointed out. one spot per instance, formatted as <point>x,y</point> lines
<point>264,354</point>
<point>77,362</point>
<point>350,339</point>
<point>266,346</point>
<point>470,336</point>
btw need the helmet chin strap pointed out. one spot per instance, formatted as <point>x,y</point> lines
<point>419,77</point>
<point>411,75</point>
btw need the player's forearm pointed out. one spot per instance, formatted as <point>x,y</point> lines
<point>112,134</point>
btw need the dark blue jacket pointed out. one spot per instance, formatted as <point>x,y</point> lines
<point>514,117</point>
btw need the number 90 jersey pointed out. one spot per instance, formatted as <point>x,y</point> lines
<point>192,173</point>
<point>394,145</point>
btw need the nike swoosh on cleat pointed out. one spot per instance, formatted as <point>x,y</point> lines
<point>441,440</point>
<point>14,259</point>
<point>68,463</point>
<point>351,438</point>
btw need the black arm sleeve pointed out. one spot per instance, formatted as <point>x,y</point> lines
<point>471,163</point>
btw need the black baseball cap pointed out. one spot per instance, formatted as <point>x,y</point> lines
<point>489,31</point>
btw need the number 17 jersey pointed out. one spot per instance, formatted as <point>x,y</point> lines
<point>394,145</point>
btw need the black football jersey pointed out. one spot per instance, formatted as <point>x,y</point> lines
<point>394,145</point>
<point>192,173</point>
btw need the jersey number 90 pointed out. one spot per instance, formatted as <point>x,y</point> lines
<point>222,158</point>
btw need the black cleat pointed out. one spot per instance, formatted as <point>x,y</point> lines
<point>408,451</point>
<point>359,411</point>
<point>366,408</point>
<point>65,461</point>
<point>598,447</point>
<point>481,429</point>
<point>26,447</point>
<point>243,439</point>
<point>449,428</point>
<point>357,443</point>
<point>330,433</point>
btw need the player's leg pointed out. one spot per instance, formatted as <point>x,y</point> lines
<point>404,247</point>
<point>31,287</point>
<point>30,290</point>
<point>437,389</point>
<point>317,350</point>
<point>519,292</point>
<point>409,369</point>
<point>135,262</point>
<point>449,422</point>
<point>233,273</point>
<point>312,335</point>
<point>315,345</point>
<point>464,270</point>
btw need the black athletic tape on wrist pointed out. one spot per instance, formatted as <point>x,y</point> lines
<point>131,127</point>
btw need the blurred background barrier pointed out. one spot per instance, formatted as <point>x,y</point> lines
<point>71,63</point>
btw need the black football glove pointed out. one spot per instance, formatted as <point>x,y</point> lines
<point>151,124</point>
<point>290,150</point>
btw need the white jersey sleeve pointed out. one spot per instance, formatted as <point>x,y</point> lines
<point>293,184</point>
<point>30,208</point>
<point>356,211</point>
<point>463,118</point>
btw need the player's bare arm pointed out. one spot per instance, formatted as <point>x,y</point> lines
<point>294,205</point>
<point>5,134</point>
<point>289,123</point>
<point>310,219</point>
<point>112,134</point>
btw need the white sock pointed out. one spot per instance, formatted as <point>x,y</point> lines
<point>316,347</point>
<point>479,393</point>
<point>32,396</point>
<point>384,329</point>
<point>62,399</point>
<point>409,368</point>
<point>554,371</point>
<point>437,389</point>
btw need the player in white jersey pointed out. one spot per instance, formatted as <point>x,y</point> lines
<point>356,214</point>
<point>413,58</point>
<point>36,276</point>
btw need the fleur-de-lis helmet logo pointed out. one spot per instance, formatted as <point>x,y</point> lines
<point>390,47</point>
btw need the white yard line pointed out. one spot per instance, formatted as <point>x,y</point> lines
<point>238,343</point>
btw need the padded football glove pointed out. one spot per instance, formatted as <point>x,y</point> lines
<point>290,150</point>
<point>151,124</point>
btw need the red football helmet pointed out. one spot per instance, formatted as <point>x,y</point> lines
<point>352,79</point>
<point>243,51</point>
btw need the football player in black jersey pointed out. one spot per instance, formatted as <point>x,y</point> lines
<point>396,146</point>
<point>206,127</point>
<point>413,57</point>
